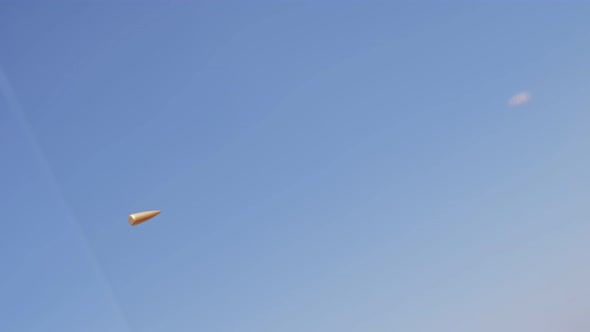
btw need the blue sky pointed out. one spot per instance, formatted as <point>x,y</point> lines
<point>324,166</point>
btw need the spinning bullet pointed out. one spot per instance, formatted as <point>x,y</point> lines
<point>137,218</point>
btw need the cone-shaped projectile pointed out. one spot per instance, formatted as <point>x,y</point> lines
<point>137,218</point>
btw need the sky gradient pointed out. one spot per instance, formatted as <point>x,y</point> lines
<point>320,166</point>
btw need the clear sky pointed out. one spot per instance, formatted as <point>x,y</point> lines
<point>320,166</point>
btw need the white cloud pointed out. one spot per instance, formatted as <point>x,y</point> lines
<point>519,99</point>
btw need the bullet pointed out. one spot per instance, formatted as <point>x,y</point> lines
<point>137,218</point>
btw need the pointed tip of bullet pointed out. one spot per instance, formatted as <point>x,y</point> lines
<point>140,217</point>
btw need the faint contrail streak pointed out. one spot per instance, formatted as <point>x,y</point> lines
<point>15,108</point>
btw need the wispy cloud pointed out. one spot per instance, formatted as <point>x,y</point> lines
<point>520,98</point>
